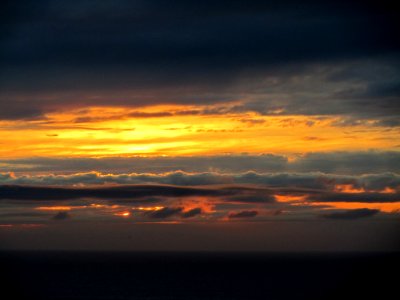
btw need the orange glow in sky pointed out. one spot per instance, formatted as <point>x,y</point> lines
<point>393,207</point>
<point>172,131</point>
<point>66,208</point>
<point>290,198</point>
<point>58,208</point>
<point>123,214</point>
<point>349,188</point>
<point>149,208</point>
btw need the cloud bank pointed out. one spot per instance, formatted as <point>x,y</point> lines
<point>313,180</point>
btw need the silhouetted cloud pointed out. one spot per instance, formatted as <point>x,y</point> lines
<point>191,213</point>
<point>351,214</point>
<point>256,198</point>
<point>135,193</point>
<point>355,197</point>
<point>243,214</point>
<point>163,213</point>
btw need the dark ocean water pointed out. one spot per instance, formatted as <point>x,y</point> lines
<point>97,275</point>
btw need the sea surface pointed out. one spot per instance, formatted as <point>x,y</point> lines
<point>120,275</point>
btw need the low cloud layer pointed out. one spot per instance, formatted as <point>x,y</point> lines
<point>122,192</point>
<point>248,188</point>
<point>199,203</point>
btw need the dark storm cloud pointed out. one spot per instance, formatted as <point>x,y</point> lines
<point>351,214</point>
<point>333,162</point>
<point>243,214</point>
<point>58,54</point>
<point>157,34</point>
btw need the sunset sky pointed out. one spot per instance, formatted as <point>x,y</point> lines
<point>199,125</point>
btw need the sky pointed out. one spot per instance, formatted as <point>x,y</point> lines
<point>199,125</point>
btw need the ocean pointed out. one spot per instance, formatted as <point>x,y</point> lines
<point>194,276</point>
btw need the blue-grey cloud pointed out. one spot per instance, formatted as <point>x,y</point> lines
<point>312,180</point>
<point>350,163</point>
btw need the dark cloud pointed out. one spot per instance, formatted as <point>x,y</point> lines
<point>62,215</point>
<point>137,193</point>
<point>351,214</point>
<point>252,121</point>
<point>243,214</point>
<point>252,198</point>
<point>191,213</point>
<point>144,200</point>
<point>369,94</point>
<point>135,114</point>
<point>60,54</point>
<point>155,34</point>
<point>21,112</point>
<point>226,194</point>
<point>163,213</point>
<point>356,197</point>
